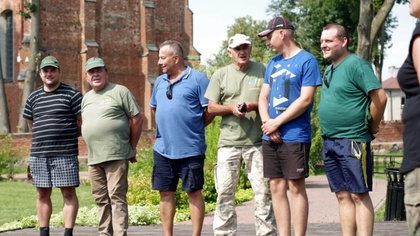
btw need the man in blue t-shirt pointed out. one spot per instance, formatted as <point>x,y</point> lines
<point>285,105</point>
<point>180,107</point>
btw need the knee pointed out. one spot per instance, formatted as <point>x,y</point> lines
<point>359,198</point>
<point>44,193</point>
<point>69,194</point>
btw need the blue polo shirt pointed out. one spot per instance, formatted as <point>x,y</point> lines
<point>180,120</point>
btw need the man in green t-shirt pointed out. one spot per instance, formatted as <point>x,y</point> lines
<point>350,110</point>
<point>112,125</point>
<point>233,94</point>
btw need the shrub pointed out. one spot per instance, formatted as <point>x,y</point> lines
<point>141,193</point>
<point>8,157</point>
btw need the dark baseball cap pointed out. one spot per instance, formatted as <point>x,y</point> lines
<point>278,22</point>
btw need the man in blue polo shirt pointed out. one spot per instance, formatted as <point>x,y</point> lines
<point>180,108</point>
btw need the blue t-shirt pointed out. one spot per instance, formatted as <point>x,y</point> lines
<point>180,120</point>
<point>286,77</point>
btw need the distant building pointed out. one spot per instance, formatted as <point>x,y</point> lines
<point>396,97</point>
<point>126,34</point>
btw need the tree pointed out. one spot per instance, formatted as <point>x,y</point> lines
<point>33,59</point>
<point>4,114</point>
<point>368,22</point>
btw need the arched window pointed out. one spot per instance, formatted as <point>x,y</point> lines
<point>6,45</point>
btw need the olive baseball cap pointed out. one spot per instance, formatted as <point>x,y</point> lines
<point>49,61</point>
<point>94,62</point>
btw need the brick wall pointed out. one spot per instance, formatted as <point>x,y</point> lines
<point>125,34</point>
<point>389,138</point>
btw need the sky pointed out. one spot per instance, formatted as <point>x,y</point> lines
<point>212,18</point>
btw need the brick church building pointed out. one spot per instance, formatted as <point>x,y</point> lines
<point>126,34</point>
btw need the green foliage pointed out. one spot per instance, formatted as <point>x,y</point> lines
<point>139,180</point>
<point>140,192</point>
<point>316,145</point>
<point>8,157</point>
<point>309,16</point>
<point>29,8</point>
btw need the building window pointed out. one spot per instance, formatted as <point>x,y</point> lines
<point>6,45</point>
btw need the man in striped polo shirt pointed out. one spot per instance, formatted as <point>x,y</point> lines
<point>53,113</point>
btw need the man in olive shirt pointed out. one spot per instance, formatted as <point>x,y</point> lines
<point>112,125</point>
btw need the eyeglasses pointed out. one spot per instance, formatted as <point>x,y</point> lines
<point>169,88</point>
<point>169,91</point>
<point>328,77</point>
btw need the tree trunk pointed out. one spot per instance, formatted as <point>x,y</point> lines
<point>4,111</point>
<point>363,30</point>
<point>380,18</point>
<point>31,69</point>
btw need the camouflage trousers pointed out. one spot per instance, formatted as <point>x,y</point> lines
<point>412,201</point>
<point>226,177</point>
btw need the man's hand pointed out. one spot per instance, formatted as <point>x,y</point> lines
<point>276,137</point>
<point>269,127</point>
<point>133,159</point>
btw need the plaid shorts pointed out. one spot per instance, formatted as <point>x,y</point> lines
<point>54,171</point>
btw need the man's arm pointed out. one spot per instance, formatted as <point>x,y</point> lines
<point>208,118</point>
<point>297,108</point>
<point>79,125</point>
<point>377,107</point>
<point>263,102</point>
<point>136,125</point>
<point>29,122</point>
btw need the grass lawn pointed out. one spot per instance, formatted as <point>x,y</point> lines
<point>18,200</point>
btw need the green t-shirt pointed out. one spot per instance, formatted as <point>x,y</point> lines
<point>229,85</point>
<point>344,106</point>
<point>105,127</point>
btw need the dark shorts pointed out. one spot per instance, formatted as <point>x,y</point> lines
<point>286,160</point>
<point>167,172</point>
<point>48,172</point>
<point>348,165</point>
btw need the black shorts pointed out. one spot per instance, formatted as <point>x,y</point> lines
<point>167,172</point>
<point>286,160</point>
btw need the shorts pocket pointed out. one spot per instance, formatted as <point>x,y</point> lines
<point>195,177</point>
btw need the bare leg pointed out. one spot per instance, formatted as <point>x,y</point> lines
<point>281,207</point>
<point>44,206</point>
<point>364,214</point>
<point>300,206</point>
<point>167,211</point>
<point>347,211</point>
<point>70,206</point>
<point>197,210</point>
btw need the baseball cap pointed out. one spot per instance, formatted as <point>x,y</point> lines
<point>278,22</point>
<point>49,61</point>
<point>238,39</point>
<point>94,62</point>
